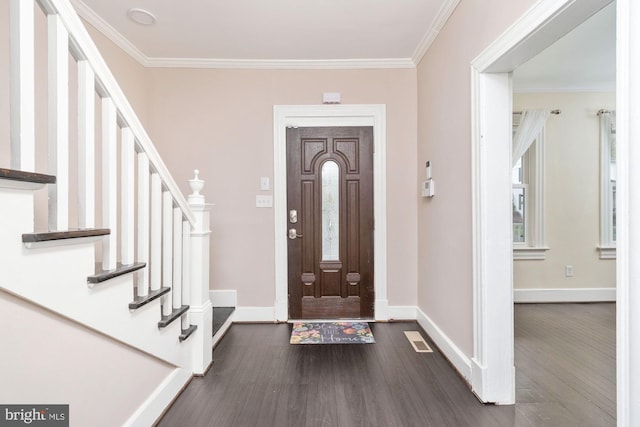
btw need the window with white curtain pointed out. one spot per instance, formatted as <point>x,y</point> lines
<point>527,198</point>
<point>607,246</point>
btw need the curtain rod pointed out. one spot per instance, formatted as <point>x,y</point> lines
<point>552,112</point>
<point>604,112</point>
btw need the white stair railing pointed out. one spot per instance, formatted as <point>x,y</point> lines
<point>162,226</point>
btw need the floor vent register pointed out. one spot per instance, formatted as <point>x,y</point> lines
<point>418,343</point>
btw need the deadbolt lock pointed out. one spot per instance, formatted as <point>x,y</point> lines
<point>293,216</point>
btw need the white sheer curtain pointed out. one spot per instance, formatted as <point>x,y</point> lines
<point>531,124</point>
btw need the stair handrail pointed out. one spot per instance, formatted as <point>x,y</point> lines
<point>82,47</point>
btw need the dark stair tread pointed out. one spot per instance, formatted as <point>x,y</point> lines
<point>121,269</point>
<point>16,175</point>
<point>186,333</point>
<point>175,314</point>
<point>139,301</point>
<point>61,235</point>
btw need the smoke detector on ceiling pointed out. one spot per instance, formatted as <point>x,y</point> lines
<point>141,16</point>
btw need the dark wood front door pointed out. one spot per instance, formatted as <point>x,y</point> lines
<point>330,222</point>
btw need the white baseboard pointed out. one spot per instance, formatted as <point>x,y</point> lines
<point>254,314</point>
<point>158,401</point>
<point>223,298</point>
<point>565,295</point>
<point>381,310</point>
<point>402,312</point>
<point>267,314</point>
<point>448,348</point>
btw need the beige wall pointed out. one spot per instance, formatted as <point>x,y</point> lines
<point>572,194</point>
<point>53,360</point>
<point>445,291</point>
<point>221,122</point>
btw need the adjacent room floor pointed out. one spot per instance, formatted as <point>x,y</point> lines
<point>565,363</point>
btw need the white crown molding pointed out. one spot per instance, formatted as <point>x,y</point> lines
<point>446,10</point>
<point>285,64</point>
<point>600,88</point>
<point>108,31</point>
<point>288,64</point>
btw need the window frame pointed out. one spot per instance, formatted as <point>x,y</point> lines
<point>533,248</point>
<point>607,246</point>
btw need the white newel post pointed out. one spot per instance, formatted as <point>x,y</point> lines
<point>201,309</point>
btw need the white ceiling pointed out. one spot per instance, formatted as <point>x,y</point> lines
<point>392,32</point>
<point>584,59</point>
<point>333,34</point>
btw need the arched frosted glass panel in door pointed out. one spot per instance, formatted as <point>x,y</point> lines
<point>330,211</point>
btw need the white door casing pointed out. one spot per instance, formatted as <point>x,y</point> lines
<point>330,115</point>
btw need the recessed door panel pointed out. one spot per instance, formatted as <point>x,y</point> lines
<point>330,190</point>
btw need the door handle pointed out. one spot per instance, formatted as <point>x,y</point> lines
<point>293,234</point>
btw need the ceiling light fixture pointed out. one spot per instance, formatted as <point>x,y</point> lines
<point>141,16</point>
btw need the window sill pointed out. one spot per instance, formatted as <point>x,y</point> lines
<point>607,252</point>
<point>530,252</point>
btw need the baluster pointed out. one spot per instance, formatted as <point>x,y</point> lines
<point>109,184</point>
<point>86,145</point>
<point>22,96</point>
<point>156,232</point>
<point>128,153</point>
<point>58,123</point>
<point>177,258</point>
<point>186,269</point>
<point>143,222</point>
<point>167,250</point>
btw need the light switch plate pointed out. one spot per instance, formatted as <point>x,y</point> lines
<point>264,201</point>
<point>264,183</point>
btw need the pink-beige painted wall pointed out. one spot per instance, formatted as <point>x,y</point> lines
<point>571,193</point>
<point>49,359</point>
<point>445,290</point>
<point>221,122</point>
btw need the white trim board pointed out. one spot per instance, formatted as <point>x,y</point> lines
<point>160,399</point>
<point>266,314</point>
<point>330,115</point>
<point>254,314</point>
<point>550,295</point>
<point>223,298</point>
<point>398,313</point>
<point>447,347</point>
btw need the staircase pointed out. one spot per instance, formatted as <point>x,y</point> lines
<point>129,257</point>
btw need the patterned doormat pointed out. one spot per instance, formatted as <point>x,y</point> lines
<point>331,333</point>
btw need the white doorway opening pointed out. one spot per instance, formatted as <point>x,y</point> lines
<point>493,373</point>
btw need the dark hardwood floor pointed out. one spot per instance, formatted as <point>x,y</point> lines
<point>259,379</point>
